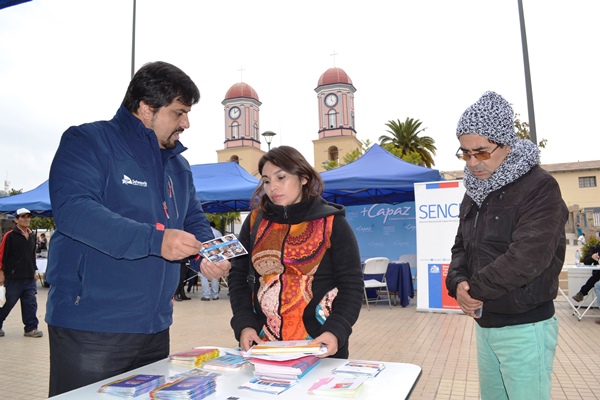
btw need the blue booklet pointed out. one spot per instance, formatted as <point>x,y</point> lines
<point>133,385</point>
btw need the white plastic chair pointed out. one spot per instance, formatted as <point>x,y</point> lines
<point>376,266</point>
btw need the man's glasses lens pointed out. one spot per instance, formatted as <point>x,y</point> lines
<point>480,156</point>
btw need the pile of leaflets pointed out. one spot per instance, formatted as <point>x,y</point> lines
<point>194,357</point>
<point>338,385</point>
<point>133,385</point>
<point>195,372</point>
<point>227,362</point>
<point>191,388</point>
<point>291,369</point>
<point>266,384</point>
<point>279,365</point>
<point>368,368</point>
<point>300,347</point>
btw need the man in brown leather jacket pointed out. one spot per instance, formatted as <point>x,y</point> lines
<point>508,253</point>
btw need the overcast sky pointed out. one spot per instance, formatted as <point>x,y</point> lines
<point>67,62</point>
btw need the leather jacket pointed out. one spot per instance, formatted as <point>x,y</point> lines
<point>511,250</point>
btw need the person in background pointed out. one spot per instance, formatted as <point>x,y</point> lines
<point>591,257</point>
<point>183,273</point>
<point>579,230</point>
<point>42,245</point>
<point>210,290</point>
<point>581,239</point>
<point>303,257</point>
<point>18,273</point>
<point>126,214</point>
<point>508,253</point>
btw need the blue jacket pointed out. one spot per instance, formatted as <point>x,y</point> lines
<point>112,191</point>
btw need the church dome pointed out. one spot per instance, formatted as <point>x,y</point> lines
<point>241,89</point>
<point>334,75</point>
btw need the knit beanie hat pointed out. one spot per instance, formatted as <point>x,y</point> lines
<point>491,117</point>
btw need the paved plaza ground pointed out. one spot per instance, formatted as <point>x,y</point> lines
<point>442,344</point>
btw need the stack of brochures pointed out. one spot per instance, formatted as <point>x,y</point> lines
<point>195,372</point>
<point>227,362</point>
<point>291,369</point>
<point>279,365</point>
<point>368,368</point>
<point>299,347</point>
<point>133,385</point>
<point>192,388</point>
<point>266,384</point>
<point>194,357</point>
<point>338,385</point>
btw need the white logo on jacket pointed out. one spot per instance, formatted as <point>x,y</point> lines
<point>128,181</point>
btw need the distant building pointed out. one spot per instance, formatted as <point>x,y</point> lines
<point>578,183</point>
<point>336,136</point>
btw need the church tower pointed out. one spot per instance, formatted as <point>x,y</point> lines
<point>242,127</point>
<point>337,128</point>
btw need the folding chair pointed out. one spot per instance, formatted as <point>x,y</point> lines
<point>376,266</point>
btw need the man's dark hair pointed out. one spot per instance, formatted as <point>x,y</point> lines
<point>213,224</point>
<point>158,84</point>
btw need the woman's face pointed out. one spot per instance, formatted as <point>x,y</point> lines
<point>282,188</point>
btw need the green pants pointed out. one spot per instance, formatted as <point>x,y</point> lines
<point>515,362</point>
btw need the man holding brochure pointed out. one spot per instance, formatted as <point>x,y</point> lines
<point>126,213</point>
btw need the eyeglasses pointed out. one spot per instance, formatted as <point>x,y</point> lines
<point>480,155</point>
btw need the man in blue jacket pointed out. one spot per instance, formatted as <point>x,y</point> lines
<point>126,213</point>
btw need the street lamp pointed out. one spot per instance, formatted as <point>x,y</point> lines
<point>268,135</point>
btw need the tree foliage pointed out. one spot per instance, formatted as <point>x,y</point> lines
<point>223,220</point>
<point>404,142</point>
<point>349,157</point>
<point>522,128</point>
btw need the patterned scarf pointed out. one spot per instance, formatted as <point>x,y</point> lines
<point>523,155</point>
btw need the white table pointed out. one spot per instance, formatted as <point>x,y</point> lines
<point>41,265</point>
<point>580,310</point>
<point>396,381</point>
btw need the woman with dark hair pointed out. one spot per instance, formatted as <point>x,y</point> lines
<point>303,257</point>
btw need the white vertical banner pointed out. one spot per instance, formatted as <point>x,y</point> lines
<point>437,206</point>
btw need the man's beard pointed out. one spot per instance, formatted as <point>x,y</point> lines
<point>170,144</point>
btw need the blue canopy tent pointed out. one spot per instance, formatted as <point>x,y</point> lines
<point>9,3</point>
<point>36,200</point>
<point>376,177</point>
<point>221,187</point>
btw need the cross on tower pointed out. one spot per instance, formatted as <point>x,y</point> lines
<point>334,54</point>
<point>241,72</point>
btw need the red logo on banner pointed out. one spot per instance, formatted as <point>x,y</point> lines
<point>447,301</point>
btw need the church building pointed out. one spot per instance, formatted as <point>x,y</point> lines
<point>337,128</point>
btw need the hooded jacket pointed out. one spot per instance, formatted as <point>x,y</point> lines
<point>308,274</point>
<point>113,192</point>
<point>511,250</point>
<point>17,255</point>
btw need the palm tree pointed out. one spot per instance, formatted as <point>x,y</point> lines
<point>405,140</point>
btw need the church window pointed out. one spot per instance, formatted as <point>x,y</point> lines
<point>332,118</point>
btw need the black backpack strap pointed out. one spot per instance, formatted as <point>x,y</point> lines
<point>251,277</point>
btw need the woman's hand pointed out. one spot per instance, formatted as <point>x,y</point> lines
<point>214,270</point>
<point>248,337</point>
<point>330,341</point>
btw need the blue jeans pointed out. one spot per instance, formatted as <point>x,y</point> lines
<point>597,289</point>
<point>24,290</point>
<point>211,291</point>
<point>515,362</point>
